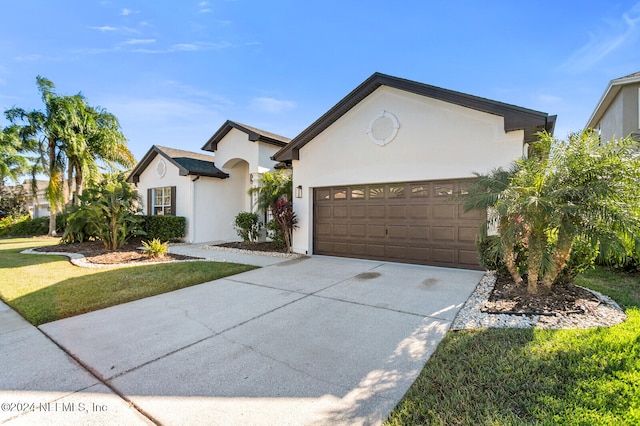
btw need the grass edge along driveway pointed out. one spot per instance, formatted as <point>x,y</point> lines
<point>45,288</point>
<point>529,376</point>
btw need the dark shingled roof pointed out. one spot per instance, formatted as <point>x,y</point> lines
<point>187,162</point>
<point>515,117</point>
<point>253,134</point>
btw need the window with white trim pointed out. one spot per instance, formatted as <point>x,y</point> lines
<point>162,201</point>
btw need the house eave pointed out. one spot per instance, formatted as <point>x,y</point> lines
<point>610,93</point>
<point>515,117</point>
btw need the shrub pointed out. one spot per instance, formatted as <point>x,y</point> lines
<point>286,221</point>
<point>155,248</point>
<point>77,228</point>
<point>248,226</point>
<point>25,226</point>
<point>110,212</point>
<point>164,228</point>
<point>275,233</point>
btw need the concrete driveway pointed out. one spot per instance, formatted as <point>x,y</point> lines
<point>316,340</point>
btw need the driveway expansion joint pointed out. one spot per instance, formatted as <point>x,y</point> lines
<point>100,379</point>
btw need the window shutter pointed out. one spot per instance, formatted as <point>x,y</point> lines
<point>173,201</point>
<point>149,201</point>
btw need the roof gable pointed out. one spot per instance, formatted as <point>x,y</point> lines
<point>253,134</point>
<point>610,93</point>
<point>515,118</point>
<point>187,162</point>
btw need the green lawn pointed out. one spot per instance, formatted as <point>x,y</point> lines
<point>45,288</point>
<point>509,376</point>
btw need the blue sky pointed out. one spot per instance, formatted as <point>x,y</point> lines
<point>174,71</point>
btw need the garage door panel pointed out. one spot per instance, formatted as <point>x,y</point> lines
<point>470,215</point>
<point>357,230</point>
<point>323,229</point>
<point>397,231</point>
<point>443,255</point>
<point>375,250</point>
<point>415,222</point>
<point>443,233</point>
<point>418,232</point>
<point>444,211</point>
<point>376,211</point>
<point>357,212</point>
<point>323,213</point>
<point>358,249</point>
<point>396,252</point>
<point>397,212</point>
<point>419,254</point>
<point>340,212</point>
<point>375,231</point>
<point>467,234</point>
<point>418,211</point>
<point>340,230</point>
<point>468,257</point>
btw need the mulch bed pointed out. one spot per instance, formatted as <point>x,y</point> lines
<point>245,245</point>
<point>508,298</point>
<point>95,252</point>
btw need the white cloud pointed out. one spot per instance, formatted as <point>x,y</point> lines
<point>127,12</point>
<point>29,58</point>
<point>139,41</point>
<point>203,5</point>
<point>604,41</point>
<point>272,105</point>
<point>104,28</point>
<point>185,47</point>
<point>108,28</point>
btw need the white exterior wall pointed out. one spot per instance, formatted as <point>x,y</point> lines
<point>236,145</point>
<point>217,202</point>
<point>150,179</point>
<point>436,140</point>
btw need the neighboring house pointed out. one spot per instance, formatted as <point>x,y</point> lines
<point>618,112</point>
<point>377,173</point>
<point>209,195</point>
<point>37,203</point>
<point>375,177</point>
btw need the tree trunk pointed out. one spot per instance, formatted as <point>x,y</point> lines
<point>510,262</point>
<point>68,194</point>
<point>53,203</point>
<point>507,244</point>
<point>560,257</point>
<point>534,264</point>
<point>79,185</point>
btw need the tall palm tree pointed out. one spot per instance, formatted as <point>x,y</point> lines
<point>71,136</point>
<point>97,141</point>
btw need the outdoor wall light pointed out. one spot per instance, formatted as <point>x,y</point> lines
<point>299,191</point>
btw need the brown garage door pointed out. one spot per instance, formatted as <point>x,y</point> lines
<point>412,222</point>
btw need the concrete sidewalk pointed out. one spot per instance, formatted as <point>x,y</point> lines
<point>316,340</point>
<point>41,384</point>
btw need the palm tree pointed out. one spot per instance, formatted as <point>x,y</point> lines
<point>274,186</point>
<point>69,135</point>
<point>563,191</point>
<point>12,164</point>
<point>97,140</point>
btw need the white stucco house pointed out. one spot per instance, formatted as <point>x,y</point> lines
<point>618,112</point>
<point>374,177</point>
<point>208,190</point>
